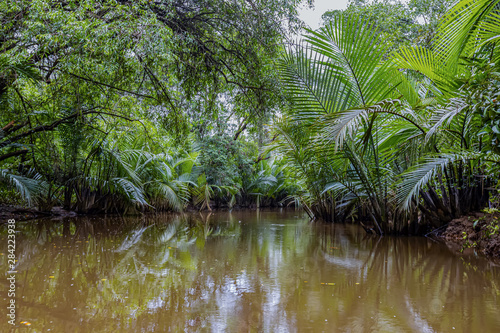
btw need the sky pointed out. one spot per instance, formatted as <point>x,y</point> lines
<point>312,17</point>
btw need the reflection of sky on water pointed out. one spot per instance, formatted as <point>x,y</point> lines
<point>270,272</point>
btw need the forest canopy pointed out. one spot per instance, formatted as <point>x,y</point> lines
<point>387,115</point>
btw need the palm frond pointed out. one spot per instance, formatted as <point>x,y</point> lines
<point>444,116</point>
<point>22,68</point>
<point>336,128</point>
<point>351,47</point>
<point>128,189</point>
<point>426,62</point>
<point>339,68</point>
<point>462,27</point>
<point>175,194</point>
<point>489,31</point>
<point>418,176</point>
<point>30,188</point>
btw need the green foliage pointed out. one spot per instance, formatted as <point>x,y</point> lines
<point>219,158</point>
<point>9,196</point>
<point>29,187</point>
<point>399,23</point>
<point>483,92</point>
<point>467,243</point>
<point>394,135</point>
<point>389,112</point>
<point>103,98</point>
<point>493,227</point>
<point>484,227</point>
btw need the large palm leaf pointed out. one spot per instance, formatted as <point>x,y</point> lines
<point>30,188</point>
<point>420,175</point>
<point>426,62</point>
<point>465,28</point>
<point>337,68</point>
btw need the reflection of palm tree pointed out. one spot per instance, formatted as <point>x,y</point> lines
<point>156,267</point>
<point>407,264</point>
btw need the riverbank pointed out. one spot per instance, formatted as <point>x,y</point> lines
<point>476,231</point>
<point>20,213</point>
<point>479,232</point>
<point>228,271</point>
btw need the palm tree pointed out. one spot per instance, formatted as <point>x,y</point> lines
<point>452,179</point>
<point>390,136</point>
<point>28,185</point>
<point>342,94</point>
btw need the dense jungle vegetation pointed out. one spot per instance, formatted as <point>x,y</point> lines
<point>387,115</point>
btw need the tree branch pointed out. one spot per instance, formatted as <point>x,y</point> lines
<point>53,125</point>
<point>12,154</point>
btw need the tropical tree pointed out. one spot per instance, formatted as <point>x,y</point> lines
<point>398,134</point>
<point>342,92</point>
<point>79,78</point>
<point>400,23</point>
<point>457,68</point>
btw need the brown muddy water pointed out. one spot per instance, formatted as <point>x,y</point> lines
<point>240,272</point>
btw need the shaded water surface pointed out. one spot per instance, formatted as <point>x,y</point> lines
<point>241,272</point>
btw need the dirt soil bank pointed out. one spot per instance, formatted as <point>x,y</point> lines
<point>20,213</point>
<point>482,233</point>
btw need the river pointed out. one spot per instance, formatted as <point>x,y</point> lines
<point>247,271</point>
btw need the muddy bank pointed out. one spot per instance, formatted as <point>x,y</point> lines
<point>476,231</point>
<point>20,213</point>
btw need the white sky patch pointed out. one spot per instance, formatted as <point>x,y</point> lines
<point>312,17</point>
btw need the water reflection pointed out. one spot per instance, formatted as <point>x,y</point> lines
<point>242,272</point>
